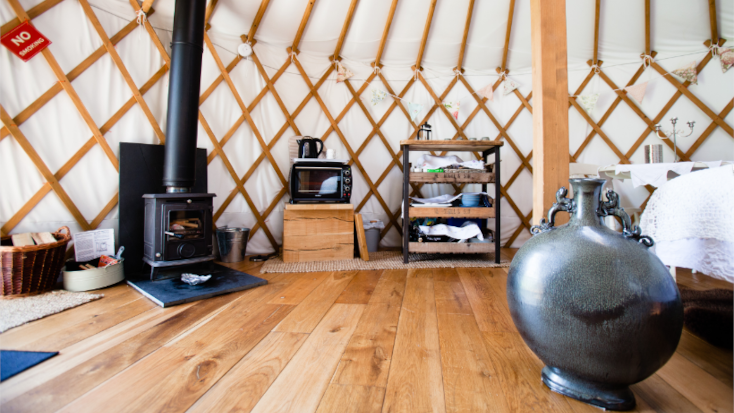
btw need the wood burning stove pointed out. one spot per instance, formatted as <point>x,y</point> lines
<point>178,224</point>
<point>178,229</point>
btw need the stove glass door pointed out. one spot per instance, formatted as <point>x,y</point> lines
<point>185,224</point>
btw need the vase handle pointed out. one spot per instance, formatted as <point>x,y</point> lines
<point>562,204</point>
<point>611,208</point>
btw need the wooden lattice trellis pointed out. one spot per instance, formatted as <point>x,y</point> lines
<point>10,125</point>
<point>64,84</point>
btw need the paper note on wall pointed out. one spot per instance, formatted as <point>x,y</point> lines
<point>93,244</point>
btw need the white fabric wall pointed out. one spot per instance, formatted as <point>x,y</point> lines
<point>57,131</point>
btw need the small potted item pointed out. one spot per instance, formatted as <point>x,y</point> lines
<point>424,133</point>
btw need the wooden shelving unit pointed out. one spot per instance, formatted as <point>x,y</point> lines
<point>486,148</point>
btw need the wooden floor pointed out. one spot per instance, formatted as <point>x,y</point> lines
<point>368,341</point>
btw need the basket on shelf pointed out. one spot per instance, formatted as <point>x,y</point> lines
<point>32,269</point>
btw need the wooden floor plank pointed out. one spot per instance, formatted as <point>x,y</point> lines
<point>198,361</point>
<point>366,360</point>
<point>519,374</point>
<point>415,382</point>
<point>699,281</point>
<point>68,336</point>
<point>78,380</point>
<point>303,382</point>
<point>180,389</point>
<point>470,381</point>
<point>19,337</point>
<point>488,303</point>
<point>340,398</point>
<point>361,288</point>
<point>245,384</point>
<point>713,360</point>
<point>82,352</point>
<point>701,388</point>
<point>116,394</point>
<point>305,317</point>
<point>301,287</point>
<point>655,392</point>
<point>450,295</point>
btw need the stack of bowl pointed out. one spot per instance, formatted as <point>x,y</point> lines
<point>470,200</point>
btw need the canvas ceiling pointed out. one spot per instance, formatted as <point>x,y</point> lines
<point>75,155</point>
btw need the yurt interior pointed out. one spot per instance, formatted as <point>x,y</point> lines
<point>366,206</point>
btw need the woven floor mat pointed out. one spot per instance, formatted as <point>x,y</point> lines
<point>18,311</point>
<point>386,260</point>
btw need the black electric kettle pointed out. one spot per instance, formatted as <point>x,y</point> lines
<point>307,147</point>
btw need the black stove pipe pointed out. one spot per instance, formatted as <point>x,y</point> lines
<point>183,95</point>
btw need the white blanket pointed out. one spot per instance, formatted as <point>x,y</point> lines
<point>691,220</point>
<point>655,174</point>
<point>469,230</point>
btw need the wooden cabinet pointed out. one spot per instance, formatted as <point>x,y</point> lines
<point>486,148</point>
<point>318,232</point>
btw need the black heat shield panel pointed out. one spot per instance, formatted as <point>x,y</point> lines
<point>141,172</point>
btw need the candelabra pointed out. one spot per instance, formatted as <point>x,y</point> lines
<point>675,133</point>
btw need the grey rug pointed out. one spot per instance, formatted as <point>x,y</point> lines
<point>387,260</point>
<point>18,311</point>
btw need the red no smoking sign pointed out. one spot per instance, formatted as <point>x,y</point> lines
<point>25,41</point>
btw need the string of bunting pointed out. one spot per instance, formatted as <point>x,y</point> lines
<point>587,100</point>
<point>637,92</point>
<point>415,109</point>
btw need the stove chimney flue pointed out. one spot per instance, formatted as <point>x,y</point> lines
<point>187,48</point>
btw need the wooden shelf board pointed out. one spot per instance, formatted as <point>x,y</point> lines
<point>450,145</point>
<point>452,247</point>
<point>452,177</point>
<point>453,212</point>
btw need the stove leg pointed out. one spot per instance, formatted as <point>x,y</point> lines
<point>153,272</point>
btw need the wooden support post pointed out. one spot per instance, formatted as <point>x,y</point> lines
<point>550,102</point>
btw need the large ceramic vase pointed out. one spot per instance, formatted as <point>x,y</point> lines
<point>600,310</point>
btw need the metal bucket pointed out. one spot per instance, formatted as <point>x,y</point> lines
<point>232,243</point>
<point>654,153</point>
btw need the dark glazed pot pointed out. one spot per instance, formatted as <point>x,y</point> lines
<point>596,306</point>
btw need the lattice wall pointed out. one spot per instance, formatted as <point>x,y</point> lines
<point>245,133</point>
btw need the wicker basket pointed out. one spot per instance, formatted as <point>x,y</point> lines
<point>33,268</point>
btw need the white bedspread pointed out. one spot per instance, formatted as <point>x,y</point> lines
<point>691,220</point>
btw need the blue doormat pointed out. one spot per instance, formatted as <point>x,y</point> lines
<point>13,362</point>
<point>168,290</point>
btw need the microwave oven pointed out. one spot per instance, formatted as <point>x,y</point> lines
<point>321,182</point>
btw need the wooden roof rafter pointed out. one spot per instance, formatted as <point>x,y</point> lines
<point>424,40</point>
<point>505,50</point>
<point>715,39</point>
<point>466,35</point>
<point>385,32</point>
<point>595,59</point>
<point>208,15</point>
<point>250,36</point>
<point>345,28</point>
<point>302,26</point>
<point>648,50</point>
<point>147,4</point>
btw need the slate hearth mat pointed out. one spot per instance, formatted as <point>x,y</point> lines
<point>13,362</point>
<point>168,290</point>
